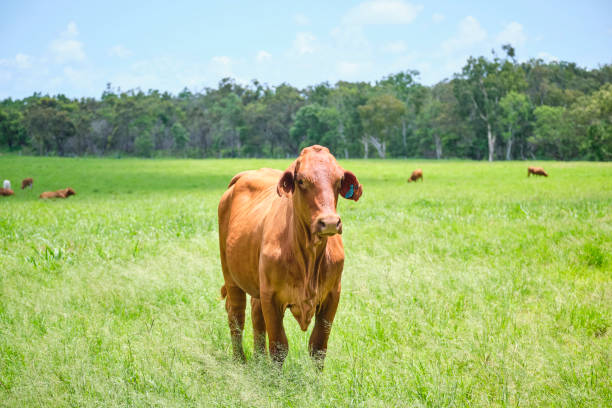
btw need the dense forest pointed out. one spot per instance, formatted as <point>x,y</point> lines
<point>495,108</point>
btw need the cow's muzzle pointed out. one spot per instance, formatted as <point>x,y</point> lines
<point>328,225</point>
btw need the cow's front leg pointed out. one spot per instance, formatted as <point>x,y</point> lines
<point>273,313</point>
<point>323,323</point>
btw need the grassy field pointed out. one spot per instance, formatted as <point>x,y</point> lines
<point>478,287</point>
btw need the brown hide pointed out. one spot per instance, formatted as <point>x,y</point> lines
<point>417,174</point>
<point>536,171</point>
<point>6,192</point>
<point>28,182</point>
<point>64,193</point>
<point>279,236</point>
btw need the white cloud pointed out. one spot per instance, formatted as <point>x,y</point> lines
<point>222,65</point>
<point>301,20</point>
<point>547,57</point>
<point>401,62</point>
<point>263,56</point>
<point>350,38</point>
<point>382,12</point>
<point>513,34</point>
<point>83,78</point>
<point>119,51</point>
<point>395,47</point>
<point>4,76</point>
<point>21,61</point>
<point>348,69</point>
<point>71,30</point>
<point>438,18</point>
<point>222,60</point>
<point>304,43</point>
<point>67,48</point>
<point>470,33</point>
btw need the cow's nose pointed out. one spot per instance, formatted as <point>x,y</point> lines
<point>329,224</point>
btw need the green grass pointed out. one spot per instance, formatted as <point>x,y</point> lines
<point>478,287</point>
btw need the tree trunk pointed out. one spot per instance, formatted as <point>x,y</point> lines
<point>365,146</point>
<point>343,138</point>
<point>509,150</point>
<point>380,147</point>
<point>404,131</point>
<point>491,140</point>
<point>438,146</point>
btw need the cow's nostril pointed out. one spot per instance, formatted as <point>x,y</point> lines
<point>338,223</point>
<point>322,224</point>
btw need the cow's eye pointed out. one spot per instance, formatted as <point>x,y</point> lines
<point>301,182</point>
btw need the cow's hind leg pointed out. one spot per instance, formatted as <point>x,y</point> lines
<point>259,327</point>
<point>235,304</point>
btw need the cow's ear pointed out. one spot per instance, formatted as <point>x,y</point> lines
<point>350,187</point>
<point>285,184</point>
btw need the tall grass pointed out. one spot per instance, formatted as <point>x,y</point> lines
<point>477,287</point>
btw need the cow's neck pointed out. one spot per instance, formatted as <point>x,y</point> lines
<point>309,251</point>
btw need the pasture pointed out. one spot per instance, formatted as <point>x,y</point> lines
<point>477,287</point>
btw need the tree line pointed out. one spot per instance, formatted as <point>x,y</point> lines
<point>495,108</point>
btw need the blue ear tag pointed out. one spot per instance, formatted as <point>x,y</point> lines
<point>350,192</point>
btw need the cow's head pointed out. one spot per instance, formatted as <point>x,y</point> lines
<point>314,181</point>
<point>68,192</point>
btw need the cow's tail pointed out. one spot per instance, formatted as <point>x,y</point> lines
<point>223,292</point>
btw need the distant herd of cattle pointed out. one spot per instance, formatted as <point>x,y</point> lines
<point>536,171</point>
<point>29,182</point>
<point>67,192</point>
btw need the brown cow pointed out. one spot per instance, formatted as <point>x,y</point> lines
<point>28,182</point>
<point>417,174</point>
<point>6,192</point>
<point>279,236</point>
<point>64,193</point>
<point>536,171</point>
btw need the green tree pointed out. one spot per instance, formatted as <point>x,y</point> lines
<point>439,125</point>
<point>380,116</point>
<point>404,87</point>
<point>346,97</point>
<point>553,134</point>
<point>227,122</point>
<point>593,116</point>
<point>12,132</point>
<point>143,144</point>
<point>481,85</point>
<point>49,123</point>
<point>515,110</point>
<point>180,136</point>
<point>315,124</point>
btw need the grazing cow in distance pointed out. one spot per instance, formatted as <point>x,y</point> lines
<point>64,193</point>
<point>279,236</point>
<point>536,171</point>
<point>6,192</point>
<point>28,182</point>
<point>417,174</point>
<point>6,185</point>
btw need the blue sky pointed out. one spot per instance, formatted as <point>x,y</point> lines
<point>75,48</point>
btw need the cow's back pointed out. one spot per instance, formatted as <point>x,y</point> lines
<point>243,210</point>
